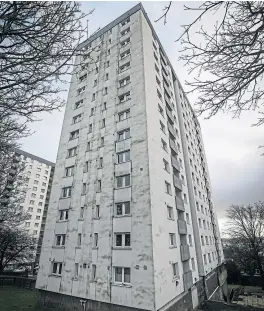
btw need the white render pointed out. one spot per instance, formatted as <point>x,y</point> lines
<point>150,257</point>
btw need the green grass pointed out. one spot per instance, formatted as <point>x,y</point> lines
<point>17,299</point>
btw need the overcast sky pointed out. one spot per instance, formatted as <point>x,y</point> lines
<point>236,167</point>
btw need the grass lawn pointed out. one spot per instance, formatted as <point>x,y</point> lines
<point>17,299</point>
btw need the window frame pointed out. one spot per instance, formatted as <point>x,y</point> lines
<point>122,275</point>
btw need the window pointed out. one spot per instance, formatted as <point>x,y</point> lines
<point>106,76</point>
<point>64,214</point>
<point>76,270</point>
<point>40,203</point>
<point>102,141</point>
<point>99,185</point>
<point>124,67</point>
<point>82,212</point>
<point>93,96</point>
<point>37,175</point>
<point>95,82</point>
<point>35,232</point>
<point>122,135</point>
<point>197,206</point>
<point>83,77</point>
<point>79,240</point>
<point>202,239</point>
<point>46,172</point>
<point>74,134</point>
<point>124,81</point>
<point>97,212</point>
<point>187,218</point>
<point>57,268</point>
<point>125,31</point>
<point>175,269</point>
<point>38,210</point>
<point>124,54</point>
<point>162,127</point>
<point>172,239</point>
<point>166,166</point>
<point>89,146</point>
<point>92,112</point>
<point>190,240</point>
<point>204,224</point>
<point>202,209</point>
<point>37,217</point>
<point>193,264</point>
<point>107,64</point>
<point>122,239</point>
<point>38,169</point>
<point>103,123</point>
<point>170,212</point>
<point>95,240</point>
<point>105,91</point>
<point>125,22</point>
<point>80,90</point>
<point>164,145</point>
<point>123,181</point>
<point>45,177</point>
<point>36,182</point>
<point>123,156</point>
<point>72,152</point>
<point>27,224</point>
<point>33,195</point>
<point>124,115</point>
<point>84,188</point>
<point>93,272</point>
<point>199,221</point>
<point>35,188</point>
<point>122,275</point>
<point>125,42</point>
<point>209,257</point>
<point>157,69</point>
<point>66,192</point>
<point>60,239</point>
<point>161,110</point>
<point>167,187</point>
<point>104,106</point>
<point>90,128</point>
<point>100,162</point>
<point>159,95</point>
<point>69,171</point>
<point>206,240</point>
<point>124,97</point>
<point>158,81</point>
<point>122,209</point>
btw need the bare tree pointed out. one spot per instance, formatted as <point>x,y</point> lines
<point>229,50</point>
<point>246,231</point>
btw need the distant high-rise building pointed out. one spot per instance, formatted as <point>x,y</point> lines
<point>130,220</point>
<point>37,177</point>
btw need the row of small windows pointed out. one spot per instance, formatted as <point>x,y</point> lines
<point>206,239</point>
<point>209,258</point>
<point>209,225</point>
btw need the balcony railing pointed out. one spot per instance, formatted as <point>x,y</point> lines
<point>169,114</point>
<point>173,146</point>
<point>175,163</point>
<point>180,204</point>
<point>177,182</point>
<point>182,227</point>
<point>185,252</point>
<point>172,130</point>
<point>187,280</point>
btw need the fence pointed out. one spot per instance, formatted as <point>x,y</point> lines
<point>28,283</point>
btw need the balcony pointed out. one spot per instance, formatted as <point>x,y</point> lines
<point>172,130</point>
<point>180,204</point>
<point>187,280</point>
<point>175,163</point>
<point>173,146</point>
<point>185,252</point>
<point>177,182</point>
<point>169,114</point>
<point>166,87</point>
<point>182,227</point>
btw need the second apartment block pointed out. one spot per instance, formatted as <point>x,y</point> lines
<point>131,220</point>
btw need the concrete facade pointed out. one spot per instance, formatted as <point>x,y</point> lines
<point>123,221</point>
